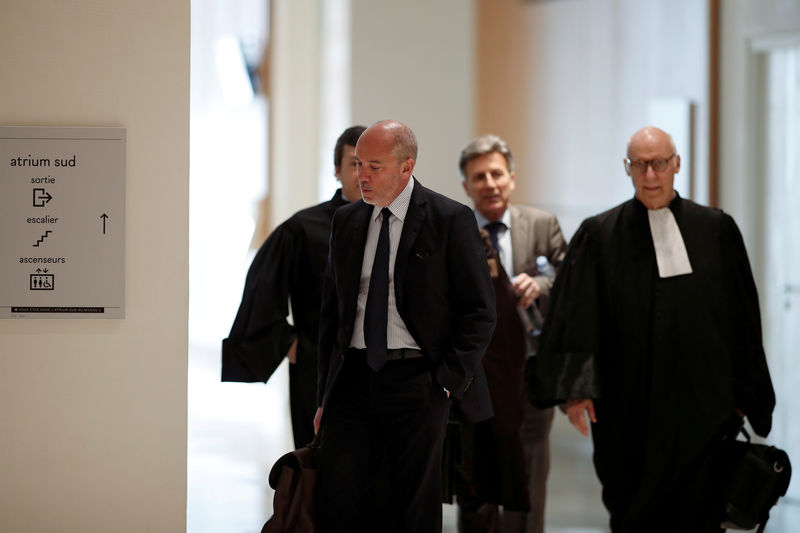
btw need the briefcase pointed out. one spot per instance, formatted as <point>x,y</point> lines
<point>294,477</point>
<point>756,475</point>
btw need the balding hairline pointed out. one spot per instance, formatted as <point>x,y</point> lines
<point>404,140</point>
<point>650,132</point>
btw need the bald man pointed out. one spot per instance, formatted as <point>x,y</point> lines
<point>654,338</point>
<point>408,310</point>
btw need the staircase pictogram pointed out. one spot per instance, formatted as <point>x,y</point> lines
<point>46,233</point>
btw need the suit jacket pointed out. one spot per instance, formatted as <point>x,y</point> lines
<point>442,288</point>
<point>533,233</point>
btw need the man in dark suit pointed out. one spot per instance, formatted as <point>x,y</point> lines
<point>404,325</point>
<point>288,267</point>
<point>507,458</point>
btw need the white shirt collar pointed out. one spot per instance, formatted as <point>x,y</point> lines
<point>482,220</point>
<point>398,206</point>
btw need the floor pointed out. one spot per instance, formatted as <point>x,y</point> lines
<point>237,430</point>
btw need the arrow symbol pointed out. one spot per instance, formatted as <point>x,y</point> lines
<point>104,217</point>
<point>41,197</point>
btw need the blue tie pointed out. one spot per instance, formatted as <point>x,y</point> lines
<point>494,228</point>
<point>376,313</point>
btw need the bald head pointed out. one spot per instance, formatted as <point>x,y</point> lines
<point>652,163</point>
<point>403,139</point>
<point>385,157</point>
<point>651,136</point>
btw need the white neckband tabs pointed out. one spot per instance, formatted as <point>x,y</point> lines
<point>671,253</point>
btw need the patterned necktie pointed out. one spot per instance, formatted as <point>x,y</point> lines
<point>494,228</point>
<point>377,311</point>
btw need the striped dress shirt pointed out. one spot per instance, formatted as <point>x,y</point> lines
<point>397,334</point>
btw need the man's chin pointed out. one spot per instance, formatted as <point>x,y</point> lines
<point>654,200</point>
<point>494,209</point>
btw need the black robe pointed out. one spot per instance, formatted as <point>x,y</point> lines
<point>288,267</point>
<point>665,360</point>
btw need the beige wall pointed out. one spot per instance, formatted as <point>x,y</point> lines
<point>294,94</point>
<point>93,412</point>
<point>414,61</point>
<point>566,83</point>
<point>748,29</point>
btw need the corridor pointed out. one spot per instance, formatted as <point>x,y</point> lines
<point>237,430</point>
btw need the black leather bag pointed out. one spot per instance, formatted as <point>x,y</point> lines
<point>756,475</point>
<point>294,478</point>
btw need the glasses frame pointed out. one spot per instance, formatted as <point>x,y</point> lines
<point>648,162</point>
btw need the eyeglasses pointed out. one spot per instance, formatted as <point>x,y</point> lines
<point>640,167</point>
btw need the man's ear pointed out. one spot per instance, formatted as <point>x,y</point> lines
<point>677,163</point>
<point>407,167</point>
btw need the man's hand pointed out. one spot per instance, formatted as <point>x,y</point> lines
<point>526,290</point>
<point>317,418</point>
<point>291,353</point>
<point>575,413</point>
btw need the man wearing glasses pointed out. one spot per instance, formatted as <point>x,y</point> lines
<point>654,334</point>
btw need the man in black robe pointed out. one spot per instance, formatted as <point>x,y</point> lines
<point>288,268</point>
<point>654,333</point>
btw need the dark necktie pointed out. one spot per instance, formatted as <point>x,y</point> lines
<point>377,311</point>
<point>494,228</point>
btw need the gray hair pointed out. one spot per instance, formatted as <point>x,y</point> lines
<point>486,144</point>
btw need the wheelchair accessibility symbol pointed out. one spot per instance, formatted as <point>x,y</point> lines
<point>42,282</point>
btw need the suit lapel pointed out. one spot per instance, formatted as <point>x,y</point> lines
<point>411,227</point>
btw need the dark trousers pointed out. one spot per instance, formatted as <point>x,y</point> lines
<point>381,449</point>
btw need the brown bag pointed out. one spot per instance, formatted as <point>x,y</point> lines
<point>294,477</point>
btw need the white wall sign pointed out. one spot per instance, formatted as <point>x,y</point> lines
<point>62,222</point>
